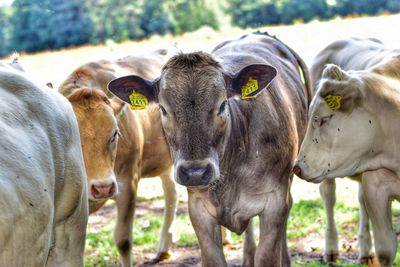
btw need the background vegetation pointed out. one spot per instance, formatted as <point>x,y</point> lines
<point>36,25</point>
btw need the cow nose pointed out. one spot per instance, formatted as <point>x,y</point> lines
<point>297,170</point>
<point>195,175</point>
<point>100,191</point>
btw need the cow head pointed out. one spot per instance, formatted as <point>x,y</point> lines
<point>340,132</point>
<point>99,137</point>
<point>194,94</point>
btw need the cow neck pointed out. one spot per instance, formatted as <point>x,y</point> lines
<point>382,99</point>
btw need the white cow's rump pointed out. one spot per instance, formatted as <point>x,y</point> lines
<point>43,198</point>
<point>353,129</point>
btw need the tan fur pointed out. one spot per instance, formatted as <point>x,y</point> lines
<point>141,151</point>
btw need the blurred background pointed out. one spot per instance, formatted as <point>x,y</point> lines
<point>54,37</point>
<point>37,25</point>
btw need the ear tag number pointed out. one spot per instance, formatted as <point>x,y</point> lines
<point>250,87</point>
<point>138,101</point>
<point>333,101</point>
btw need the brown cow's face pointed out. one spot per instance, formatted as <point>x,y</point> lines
<point>195,113</point>
<point>193,93</point>
<point>99,137</point>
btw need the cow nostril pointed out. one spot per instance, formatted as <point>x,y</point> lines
<point>112,189</point>
<point>94,190</point>
<point>297,170</point>
<point>207,173</point>
<point>183,173</point>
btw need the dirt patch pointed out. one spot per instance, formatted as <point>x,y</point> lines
<point>190,256</point>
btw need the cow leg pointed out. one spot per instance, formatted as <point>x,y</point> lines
<point>327,190</point>
<point>379,189</point>
<point>207,230</point>
<point>272,248</point>
<point>364,237</point>
<point>170,198</point>
<point>126,200</point>
<point>249,247</point>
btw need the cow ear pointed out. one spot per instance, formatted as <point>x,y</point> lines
<point>134,90</point>
<point>334,72</point>
<point>251,80</point>
<point>339,90</point>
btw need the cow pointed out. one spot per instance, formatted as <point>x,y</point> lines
<point>349,54</point>
<point>121,146</point>
<point>352,131</point>
<point>234,120</point>
<point>43,193</point>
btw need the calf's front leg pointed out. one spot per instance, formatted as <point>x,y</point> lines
<point>327,190</point>
<point>126,200</point>
<point>171,199</point>
<point>207,230</point>
<point>272,248</point>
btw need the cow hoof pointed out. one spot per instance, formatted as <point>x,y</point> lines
<point>370,261</point>
<point>161,256</point>
<point>331,258</point>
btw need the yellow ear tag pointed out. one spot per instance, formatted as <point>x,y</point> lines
<point>333,101</point>
<point>250,87</point>
<point>138,101</point>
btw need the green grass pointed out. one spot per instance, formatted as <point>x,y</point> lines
<point>306,217</point>
<point>100,249</point>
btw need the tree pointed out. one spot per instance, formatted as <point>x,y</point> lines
<point>3,37</point>
<point>69,24</point>
<point>186,16</point>
<point>303,9</point>
<point>115,19</point>
<point>154,18</point>
<point>29,22</point>
<point>254,12</point>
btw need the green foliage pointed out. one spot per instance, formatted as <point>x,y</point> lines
<point>48,24</point>
<point>305,10</point>
<point>68,24</point>
<point>188,16</point>
<point>155,18</point>
<point>3,31</point>
<point>35,25</point>
<point>254,13</point>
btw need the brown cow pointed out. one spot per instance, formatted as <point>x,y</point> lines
<point>121,144</point>
<point>234,155</point>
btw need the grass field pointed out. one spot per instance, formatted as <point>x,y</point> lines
<point>307,218</point>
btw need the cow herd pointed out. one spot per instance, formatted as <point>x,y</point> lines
<point>232,126</point>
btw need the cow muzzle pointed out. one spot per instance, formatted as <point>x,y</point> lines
<point>195,173</point>
<point>102,189</point>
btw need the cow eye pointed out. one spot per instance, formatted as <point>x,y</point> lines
<point>163,111</point>
<point>115,136</point>
<point>222,107</point>
<point>324,120</point>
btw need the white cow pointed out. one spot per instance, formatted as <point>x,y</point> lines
<point>353,129</point>
<point>348,54</point>
<point>43,195</point>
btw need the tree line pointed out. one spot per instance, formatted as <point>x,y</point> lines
<point>36,25</point>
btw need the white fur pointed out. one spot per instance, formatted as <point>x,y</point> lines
<point>43,199</point>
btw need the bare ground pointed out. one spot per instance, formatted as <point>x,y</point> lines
<point>190,256</point>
